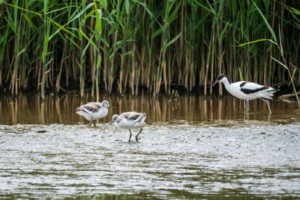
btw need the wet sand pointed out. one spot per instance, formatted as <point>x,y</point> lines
<point>74,160</point>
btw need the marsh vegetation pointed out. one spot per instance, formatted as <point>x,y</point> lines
<point>123,45</point>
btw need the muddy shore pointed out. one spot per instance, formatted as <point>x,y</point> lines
<point>171,160</point>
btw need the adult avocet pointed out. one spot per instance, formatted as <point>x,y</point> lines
<point>247,90</point>
<point>129,120</point>
<point>94,110</point>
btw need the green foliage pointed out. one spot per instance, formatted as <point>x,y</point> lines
<point>146,43</point>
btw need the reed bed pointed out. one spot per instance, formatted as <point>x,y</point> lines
<point>123,45</point>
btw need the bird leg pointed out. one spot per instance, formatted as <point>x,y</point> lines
<point>136,137</point>
<point>94,123</point>
<point>90,122</point>
<point>130,135</point>
<point>267,104</point>
<point>247,106</point>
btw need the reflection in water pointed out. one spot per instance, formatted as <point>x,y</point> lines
<point>31,109</point>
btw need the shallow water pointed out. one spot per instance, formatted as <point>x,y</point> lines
<point>30,109</point>
<point>193,148</point>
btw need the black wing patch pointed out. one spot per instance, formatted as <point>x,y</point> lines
<point>133,117</point>
<point>248,91</point>
<point>90,108</point>
<point>243,83</point>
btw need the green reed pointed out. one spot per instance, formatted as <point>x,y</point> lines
<point>124,44</point>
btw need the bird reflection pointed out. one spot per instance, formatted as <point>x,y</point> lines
<point>31,109</point>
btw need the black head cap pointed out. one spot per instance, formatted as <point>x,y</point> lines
<point>221,76</point>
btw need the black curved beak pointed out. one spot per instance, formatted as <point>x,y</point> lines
<point>111,106</point>
<point>213,84</point>
<point>111,122</point>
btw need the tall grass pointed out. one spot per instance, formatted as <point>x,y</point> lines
<point>126,44</point>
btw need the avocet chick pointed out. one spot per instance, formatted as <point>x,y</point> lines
<point>129,120</point>
<point>93,111</point>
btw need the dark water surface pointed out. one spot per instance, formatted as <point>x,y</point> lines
<point>196,147</point>
<point>30,109</point>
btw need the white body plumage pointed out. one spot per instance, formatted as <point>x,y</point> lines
<point>235,89</point>
<point>92,114</point>
<point>93,110</point>
<point>129,120</point>
<point>247,90</point>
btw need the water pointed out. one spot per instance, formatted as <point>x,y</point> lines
<point>194,148</point>
<point>30,109</point>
